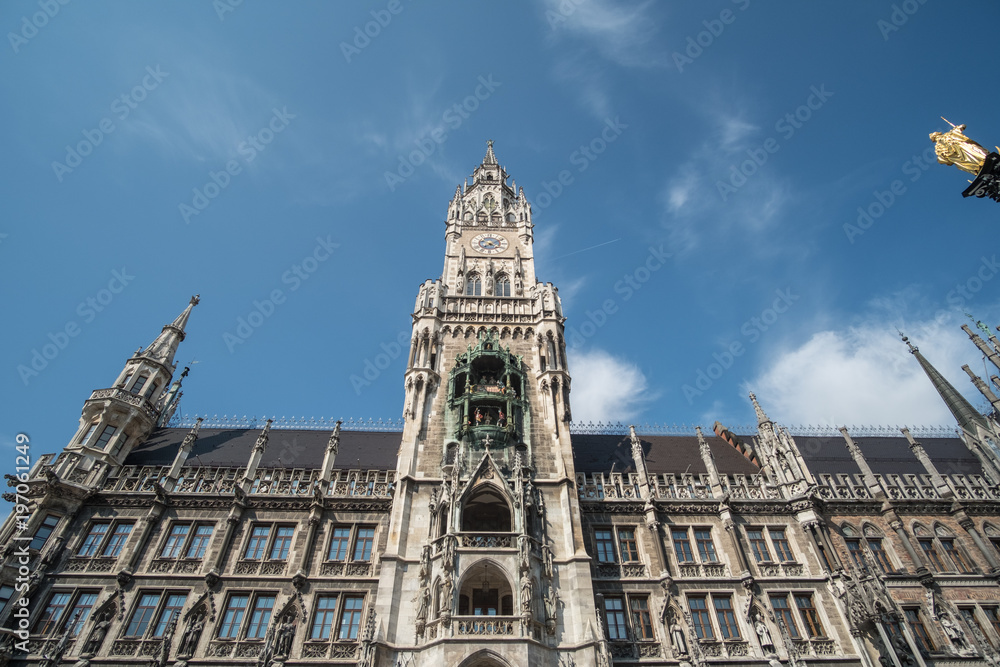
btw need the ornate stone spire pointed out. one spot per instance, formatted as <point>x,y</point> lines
<point>490,157</point>
<point>162,349</point>
<point>761,416</point>
<point>261,443</point>
<point>966,415</point>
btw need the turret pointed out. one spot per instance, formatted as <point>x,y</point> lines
<point>116,419</point>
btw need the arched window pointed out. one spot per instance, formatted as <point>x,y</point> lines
<point>486,511</point>
<point>485,591</point>
<point>474,285</point>
<point>502,286</point>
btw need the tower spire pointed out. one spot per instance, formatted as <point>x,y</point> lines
<point>966,415</point>
<point>162,349</point>
<point>490,157</point>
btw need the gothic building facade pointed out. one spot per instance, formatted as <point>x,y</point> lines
<point>484,529</point>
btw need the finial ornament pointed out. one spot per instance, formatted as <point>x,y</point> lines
<point>955,148</point>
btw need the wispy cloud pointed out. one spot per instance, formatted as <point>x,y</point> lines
<point>607,388</point>
<point>621,32</point>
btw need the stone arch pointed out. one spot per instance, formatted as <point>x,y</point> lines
<point>942,531</point>
<point>990,529</point>
<point>871,530</point>
<point>487,509</point>
<point>505,333</point>
<point>920,530</point>
<point>484,658</point>
<point>847,530</point>
<point>486,589</point>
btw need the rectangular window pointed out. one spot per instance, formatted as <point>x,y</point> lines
<point>363,544</point>
<point>258,543</point>
<point>682,546</point>
<point>919,631</point>
<point>81,610</point>
<point>236,608</point>
<point>993,616</point>
<point>152,390</point>
<point>326,614</point>
<point>338,543</point>
<point>627,545</point>
<point>700,618</point>
<point>6,593</point>
<point>727,619</point>
<point>641,620</point>
<point>879,554</point>
<point>53,613</point>
<point>969,616</point>
<point>351,619</point>
<point>261,617</point>
<point>932,555</point>
<point>95,536</point>
<point>90,432</point>
<point>199,543</point>
<point>43,531</point>
<point>783,613</point>
<point>781,546</point>
<point>117,541</point>
<point>857,556</point>
<point>142,615</point>
<point>282,543</point>
<point>105,437</point>
<point>759,545</point>
<point>175,541</point>
<point>706,548</point>
<point>605,546</point>
<point>956,557</point>
<point>809,614</point>
<point>171,610</point>
<point>137,387</point>
<point>614,614</point>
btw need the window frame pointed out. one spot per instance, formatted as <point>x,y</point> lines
<point>155,625</point>
<point>110,539</point>
<point>809,615</point>
<point>616,607</point>
<point>784,616</point>
<point>642,620</point>
<point>191,540</point>
<point>239,624</point>
<point>49,627</point>
<point>773,548</point>
<point>263,547</point>
<point>613,544</point>
<point>919,629</point>
<point>49,523</point>
<point>349,544</point>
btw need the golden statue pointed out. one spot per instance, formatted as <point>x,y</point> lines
<point>953,147</point>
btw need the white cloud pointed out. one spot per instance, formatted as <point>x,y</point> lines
<point>606,388</point>
<point>865,375</point>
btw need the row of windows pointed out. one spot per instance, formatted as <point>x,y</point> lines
<point>246,615</point>
<point>618,544</point>
<point>103,438</point>
<point>190,540</point>
<point>474,285</point>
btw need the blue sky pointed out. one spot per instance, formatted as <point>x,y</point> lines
<point>225,144</point>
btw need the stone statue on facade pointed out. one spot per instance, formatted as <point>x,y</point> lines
<point>763,633</point>
<point>547,565</point>
<point>97,635</point>
<point>192,633</point>
<point>526,593</point>
<point>524,551</point>
<point>955,634</point>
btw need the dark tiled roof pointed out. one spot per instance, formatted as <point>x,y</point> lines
<point>887,455</point>
<point>285,448</point>
<point>663,453</point>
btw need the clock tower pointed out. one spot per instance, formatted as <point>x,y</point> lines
<point>485,562</point>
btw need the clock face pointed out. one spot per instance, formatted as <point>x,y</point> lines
<point>489,244</point>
